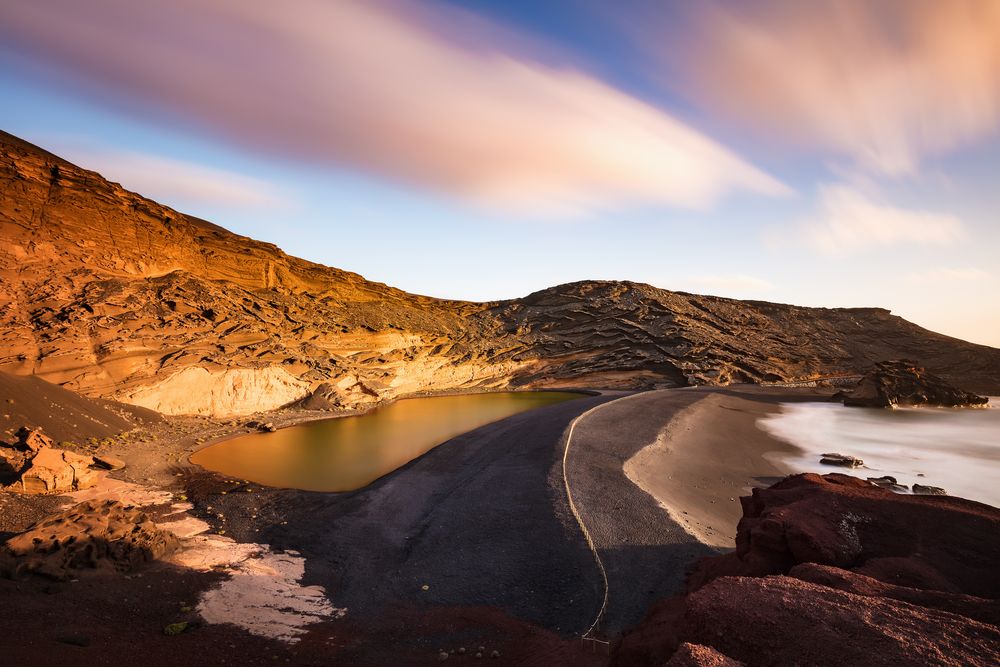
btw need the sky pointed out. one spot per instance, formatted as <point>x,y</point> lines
<point>824,153</point>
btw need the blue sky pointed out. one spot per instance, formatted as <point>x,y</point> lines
<point>778,152</point>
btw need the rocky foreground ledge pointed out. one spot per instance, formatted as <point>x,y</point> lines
<point>832,570</point>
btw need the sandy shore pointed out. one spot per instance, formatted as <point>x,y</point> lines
<point>710,453</point>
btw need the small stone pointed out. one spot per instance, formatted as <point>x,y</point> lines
<point>888,482</point>
<point>109,462</point>
<point>495,654</point>
<point>74,639</point>
<point>442,656</point>
<point>479,654</point>
<point>922,490</point>
<point>425,587</point>
<point>461,650</point>
<point>175,628</point>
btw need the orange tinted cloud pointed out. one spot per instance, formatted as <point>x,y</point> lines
<point>378,88</point>
<point>885,83</point>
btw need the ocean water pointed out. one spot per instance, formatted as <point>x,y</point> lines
<point>957,449</point>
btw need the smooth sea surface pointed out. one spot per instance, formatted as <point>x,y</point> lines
<point>957,449</point>
<point>351,452</point>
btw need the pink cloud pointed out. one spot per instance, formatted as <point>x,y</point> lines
<point>377,87</point>
<point>886,83</point>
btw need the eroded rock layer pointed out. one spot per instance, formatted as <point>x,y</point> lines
<point>104,535</point>
<point>115,296</point>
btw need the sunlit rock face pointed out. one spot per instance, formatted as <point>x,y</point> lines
<point>115,296</point>
<point>223,393</point>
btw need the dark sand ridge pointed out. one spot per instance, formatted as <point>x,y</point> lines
<point>63,415</point>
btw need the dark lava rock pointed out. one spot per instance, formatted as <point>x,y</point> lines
<point>924,490</point>
<point>832,569</point>
<point>74,639</point>
<point>91,535</point>
<point>888,482</point>
<point>841,460</point>
<point>901,382</point>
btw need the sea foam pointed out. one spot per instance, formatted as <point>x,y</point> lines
<point>954,448</point>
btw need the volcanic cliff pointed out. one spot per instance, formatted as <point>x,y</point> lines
<point>115,296</point>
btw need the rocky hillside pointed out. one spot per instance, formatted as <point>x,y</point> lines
<point>115,296</point>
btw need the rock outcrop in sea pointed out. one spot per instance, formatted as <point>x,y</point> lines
<point>902,383</point>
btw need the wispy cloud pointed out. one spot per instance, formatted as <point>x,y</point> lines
<point>387,89</point>
<point>949,275</point>
<point>885,83</point>
<point>169,180</point>
<point>847,219</point>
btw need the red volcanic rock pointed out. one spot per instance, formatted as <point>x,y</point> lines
<point>831,569</point>
<point>780,620</point>
<point>785,621</point>
<point>928,542</point>
<point>979,609</point>
<point>901,382</point>
<point>696,655</point>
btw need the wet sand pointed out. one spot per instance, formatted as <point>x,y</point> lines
<point>710,453</point>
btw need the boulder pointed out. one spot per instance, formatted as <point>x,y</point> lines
<point>263,427</point>
<point>888,482</point>
<point>54,470</point>
<point>104,535</point>
<point>845,460</point>
<point>34,465</point>
<point>941,543</point>
<point>108,462</point>
<point>924,490</point>
<point>32,439</point>
<point>901,382</point>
